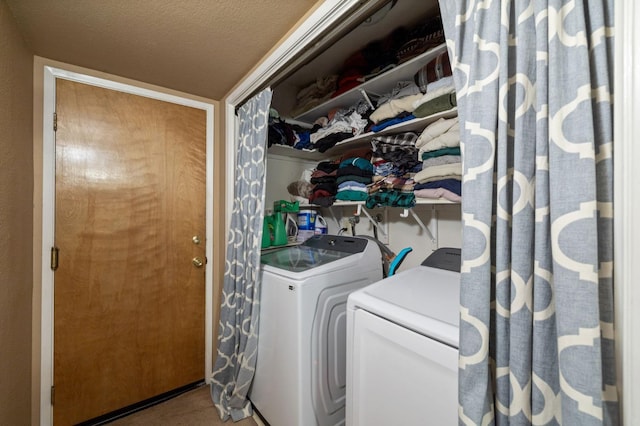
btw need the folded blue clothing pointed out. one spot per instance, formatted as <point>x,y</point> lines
<point>384,124</point>
<point>351,184</point>
<point>304,142</point>
<point>383,169</point>
<point>453,185</point>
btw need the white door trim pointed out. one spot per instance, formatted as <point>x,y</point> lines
<point>48,217</point>
<point>626,157</point>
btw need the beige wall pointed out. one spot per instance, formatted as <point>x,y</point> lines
<point>16,185</point>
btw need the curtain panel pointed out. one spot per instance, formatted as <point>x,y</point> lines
<point>534,81</point>
<point>239,311</point>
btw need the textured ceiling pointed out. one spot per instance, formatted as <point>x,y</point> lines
<point>202,47</point>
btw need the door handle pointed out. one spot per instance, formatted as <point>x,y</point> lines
<point>197,262</point>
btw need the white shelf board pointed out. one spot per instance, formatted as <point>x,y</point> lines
<point>361,140</point>
<point>419,202</point>
<point>288,151</point>
<point>379,85</point>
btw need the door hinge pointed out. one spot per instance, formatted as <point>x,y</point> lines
<point>54,258</point>
<point>55,121</point>
<point>53,395</point>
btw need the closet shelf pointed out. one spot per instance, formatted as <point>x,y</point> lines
<point>419,202</point>
<point>361,140</point>
<point>378,85</point>
<point>303,154</point>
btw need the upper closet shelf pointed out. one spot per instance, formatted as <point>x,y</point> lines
<point>361,140</point>
<point>378,85</point>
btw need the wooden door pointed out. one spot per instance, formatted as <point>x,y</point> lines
<point>130,208</point>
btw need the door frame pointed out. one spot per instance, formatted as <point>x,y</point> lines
<point>626,157</point>
<point>51,74</point>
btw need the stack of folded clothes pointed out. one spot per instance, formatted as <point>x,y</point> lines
<point>315,93</point>
<point>422,38</point>
<point>324,183</point>
<point>436,83</point>
<point>391,191</point>
<point>436,69</point>
<point>395,155</point>
<point>354,174</point>
<point>395,160</point>
<point>396,106</point>
<point>375,58</point>
<point>439,150</point>
<point>440,97</point>
<point>449,189</point>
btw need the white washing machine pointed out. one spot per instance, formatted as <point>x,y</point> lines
<point>300,374</point>
<point>402,351</point>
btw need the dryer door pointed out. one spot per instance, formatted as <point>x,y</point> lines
<point>399,377</point>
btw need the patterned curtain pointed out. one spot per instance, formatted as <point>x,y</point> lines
<point>534,85</point>
<point>238,330</point>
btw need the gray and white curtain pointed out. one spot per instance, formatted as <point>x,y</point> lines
<point>238,330</point>
<point>534,86</point>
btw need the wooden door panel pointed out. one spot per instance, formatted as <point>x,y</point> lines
<point>128,302</point>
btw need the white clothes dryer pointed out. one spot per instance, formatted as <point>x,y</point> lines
<point>300,376</point>
<point>402,347</point>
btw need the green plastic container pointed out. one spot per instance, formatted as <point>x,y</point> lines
<point>266,233</point>
<point>279,230</point>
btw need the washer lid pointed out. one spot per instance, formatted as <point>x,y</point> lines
<point>316,251</point>
<point>300,258</point>
<point>423,299</point>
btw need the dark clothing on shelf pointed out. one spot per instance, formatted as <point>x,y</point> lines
<point>391,198</point>
<point>327,166</point>
<point>453,185</point>
<point>331,140</point>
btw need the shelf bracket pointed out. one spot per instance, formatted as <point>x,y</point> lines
<point>374,222</point>
<point>335,219</point>
<point>366,98</point>
<point>432,230</point>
